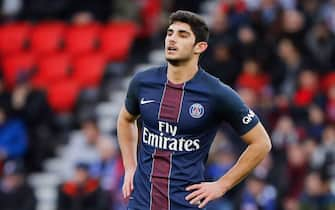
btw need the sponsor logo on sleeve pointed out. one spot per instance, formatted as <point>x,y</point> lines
<point>248,118</point>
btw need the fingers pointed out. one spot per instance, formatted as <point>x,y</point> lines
<point>131,185</point>
<point>193,194</point>
<point>193,187</point>
<point>127,188</point>
<point>201,195</point>
<point>204,202</point>
<point>197,199</point>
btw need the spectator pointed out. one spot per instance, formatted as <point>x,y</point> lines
<point>320,43</point>
<point>293,27</point>
<point>220,28</point>
<point>109,170</point>
<point>32,107</point>
<point>284,134</point>
<point>224,159</point>
<point>307,89</point>
<point>82,192</point>
<point>287,69</point>
<point>236,11</point>
<point>316,122</point>
<point>310,9</point>
<point>13,137</point>
<point>249,96</point>
<point>291,204</point>
<point>100,9</point>
<point>270,173</point>
<point>258,194</point>
<point>295,171</point>
<point>125,10</point>
<point>270,11</point>
<point>252,77</point>
<point>15,193</point>
<point>11,9</point>
<point>248,45</point>
<point>324,155</point>
<point>317,193</point>
<point>328,13</point>
<point>222,64</point>
<point>82,146</point>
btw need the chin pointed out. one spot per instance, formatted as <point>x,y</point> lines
<point>174,61</point>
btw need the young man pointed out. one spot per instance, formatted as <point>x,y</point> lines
<point>181,108</point>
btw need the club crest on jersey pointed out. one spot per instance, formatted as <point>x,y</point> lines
<point>196,110</point>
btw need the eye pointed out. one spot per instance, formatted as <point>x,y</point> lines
<point>183,35</point>
<point>169,33</point>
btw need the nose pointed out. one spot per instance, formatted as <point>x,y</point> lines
<point>171,39</point>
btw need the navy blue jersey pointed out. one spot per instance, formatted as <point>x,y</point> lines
<point>179,123</point>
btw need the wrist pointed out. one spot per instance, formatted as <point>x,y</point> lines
<point>130,168</point>
<point>225,184</point>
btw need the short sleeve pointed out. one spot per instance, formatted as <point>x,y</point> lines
<point>132,103</point>
<point>234,111</point>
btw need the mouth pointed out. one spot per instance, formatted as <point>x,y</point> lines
<point>171,49</point>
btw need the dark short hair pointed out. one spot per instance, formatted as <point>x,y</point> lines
<point>196,22</point>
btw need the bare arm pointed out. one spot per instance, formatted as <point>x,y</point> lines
<point>259,145</point>
<point>127,137</point>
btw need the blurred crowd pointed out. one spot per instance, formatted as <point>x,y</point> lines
<point>278,54</point>
<point>280,57</point>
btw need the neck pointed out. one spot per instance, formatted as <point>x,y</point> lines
<point>181,73</point>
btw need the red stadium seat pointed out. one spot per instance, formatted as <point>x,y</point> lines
<point>47,37</point>
<point>52,69</point>
<point>88,70</point>
<point>80,39</point>
<point>13,64</point>
<point>150,12</point>
<point>62,96</point>
<point>116,40</point>
<point>13,37</point>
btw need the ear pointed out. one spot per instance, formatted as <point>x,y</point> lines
<point>200,47</point>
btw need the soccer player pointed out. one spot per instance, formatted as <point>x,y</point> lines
<point>180,108</point>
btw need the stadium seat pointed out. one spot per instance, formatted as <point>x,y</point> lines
<point>88,69</point>
<point>47,37</point>
<point>14,37</point>
<point>13,64</point>
<point>80,39</point>
<point>52,69</point>
<point>150,12</point>
<point>62,96</point>
<point>117,39</point>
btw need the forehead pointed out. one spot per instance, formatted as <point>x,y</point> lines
<point>180,26</point>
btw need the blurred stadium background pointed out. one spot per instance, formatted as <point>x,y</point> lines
<point>66,64</point>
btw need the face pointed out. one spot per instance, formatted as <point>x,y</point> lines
<point>180,44</point>
<point>255,187</point>
<point>80,176</point>
<point>313,184</point>
<point>90,131</point>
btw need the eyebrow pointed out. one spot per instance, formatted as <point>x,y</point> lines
<point>179,31</point>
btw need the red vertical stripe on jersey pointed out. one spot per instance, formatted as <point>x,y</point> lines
<point>160,180</point>
<point>171,102</point>
<point>161,167</point>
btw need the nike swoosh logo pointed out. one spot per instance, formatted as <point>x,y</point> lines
<point>146,101</point>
